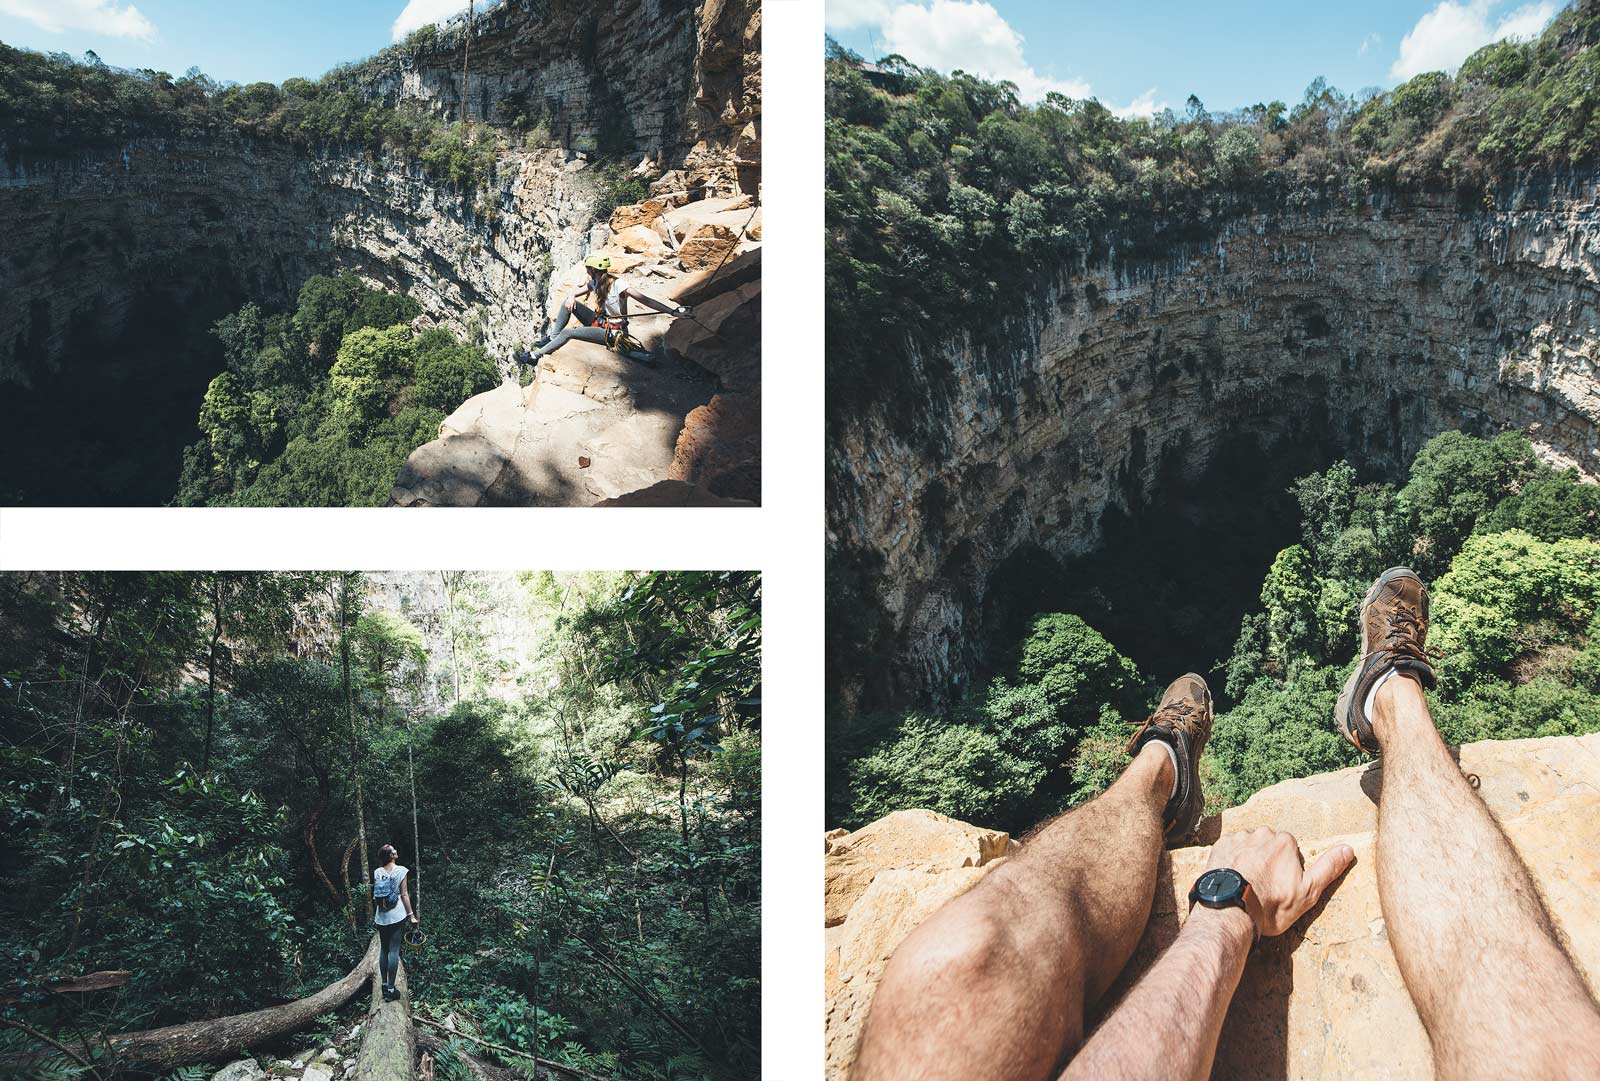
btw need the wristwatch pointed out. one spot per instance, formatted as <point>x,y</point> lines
<point>1223,887</point>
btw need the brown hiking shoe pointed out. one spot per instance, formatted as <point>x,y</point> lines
<point>1394,626</point>
<point>1183,719</point>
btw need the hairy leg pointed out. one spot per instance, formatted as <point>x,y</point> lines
<point>995,984</point>
<point>1497,993</point>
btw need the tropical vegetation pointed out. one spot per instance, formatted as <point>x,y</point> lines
<point>197,771</point>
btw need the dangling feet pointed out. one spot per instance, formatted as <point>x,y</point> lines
<point>1183,723</point>
<point>1394,628</point>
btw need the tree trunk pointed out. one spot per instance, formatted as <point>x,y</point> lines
<point>450,584</point>
<point>388,1042</point>
<point>355,751</point>
<point>225,1037</point>
<point>344,874</point>
<point>211,666</point>
<point>538,941</point>
<point>309,834</point>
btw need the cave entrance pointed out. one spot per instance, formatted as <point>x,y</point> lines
<point>109,425</point>
<point>1178,568</point>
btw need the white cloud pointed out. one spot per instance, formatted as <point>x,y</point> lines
<point>1145,105</point>
<point>1370,42</point>
<point>965,35</point>
<point>852,14</point>
<point>1451,32</point>
<point>94,16</point>
<point>420,13</point>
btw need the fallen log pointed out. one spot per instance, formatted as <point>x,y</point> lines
<point>223,1038</point>
<point>388,1042</point>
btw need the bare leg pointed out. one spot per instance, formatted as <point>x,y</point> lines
<point>995,983</point>
<point>1498,995</point>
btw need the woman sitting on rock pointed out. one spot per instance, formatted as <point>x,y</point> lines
<point>391,909</point>
<point>607,322</point>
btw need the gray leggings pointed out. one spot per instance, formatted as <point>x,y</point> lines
<point>581,333</point>
<point>389,936</point>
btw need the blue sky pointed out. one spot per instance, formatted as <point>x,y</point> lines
<point>231,40</point>
<point>1137,57</point>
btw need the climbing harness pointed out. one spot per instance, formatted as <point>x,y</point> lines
<point>414,935</point>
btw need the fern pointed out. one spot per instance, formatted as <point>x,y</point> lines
<point>188,1073</point>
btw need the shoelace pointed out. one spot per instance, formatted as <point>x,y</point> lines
<point>1178,711</point>
<point>1402,634</point>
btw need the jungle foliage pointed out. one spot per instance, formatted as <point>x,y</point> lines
<point>1510,548</point>
<point>950,203</point>
<point>185,756</point>
<point>320,406</point>
<point>50,102</point>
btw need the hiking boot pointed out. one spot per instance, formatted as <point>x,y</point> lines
<point>390,994</point>
<point>1183,719</point>
<point>1394,626</point>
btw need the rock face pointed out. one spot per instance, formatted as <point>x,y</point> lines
<point>91,231</point>
<point>1360,331</point>
<point>1325,1000</point>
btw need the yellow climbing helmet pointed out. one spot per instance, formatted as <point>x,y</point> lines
<point>598,262</point>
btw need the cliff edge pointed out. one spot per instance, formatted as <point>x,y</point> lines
<point>1324,1000</point>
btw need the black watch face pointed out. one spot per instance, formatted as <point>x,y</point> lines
<point>1219,885</point>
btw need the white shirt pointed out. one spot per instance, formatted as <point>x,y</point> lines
<point>381,918</point>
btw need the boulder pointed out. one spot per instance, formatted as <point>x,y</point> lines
<point>710,246</point>
<point>246,1069</point>
<point>317,1071</point>
<point>641,240</point>
<point>698,288</point>
<point>523,446</point>
<point>1325,1000</point>
<point>645,213</point>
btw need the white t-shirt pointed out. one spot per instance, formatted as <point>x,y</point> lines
<point>380,918</point>
<point>613,305</point>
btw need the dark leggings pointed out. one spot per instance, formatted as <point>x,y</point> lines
<point>583,332</point>
<point>389,936</point>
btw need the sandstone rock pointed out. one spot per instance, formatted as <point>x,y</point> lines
<point>672,493</point>
<point>710,246</point>
<point>520,446</point>
<point>1324,1000</point>
<point>641,240</point>
<point>910,840</point>
<point>645,213</point>
<point>700,287</point>
<point>720,447</point>
<point>246,1069</point>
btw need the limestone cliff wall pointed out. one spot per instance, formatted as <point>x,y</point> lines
<point>668,78</point>
<point>1322,1001</point>
<point>1365,330</point>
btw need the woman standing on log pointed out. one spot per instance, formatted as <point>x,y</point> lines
<point>391,909</point>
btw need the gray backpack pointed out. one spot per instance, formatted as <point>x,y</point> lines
<point>385,891</point>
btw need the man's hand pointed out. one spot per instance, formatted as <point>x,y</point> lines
<point>414,917</point>
<point>1282,888</point>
